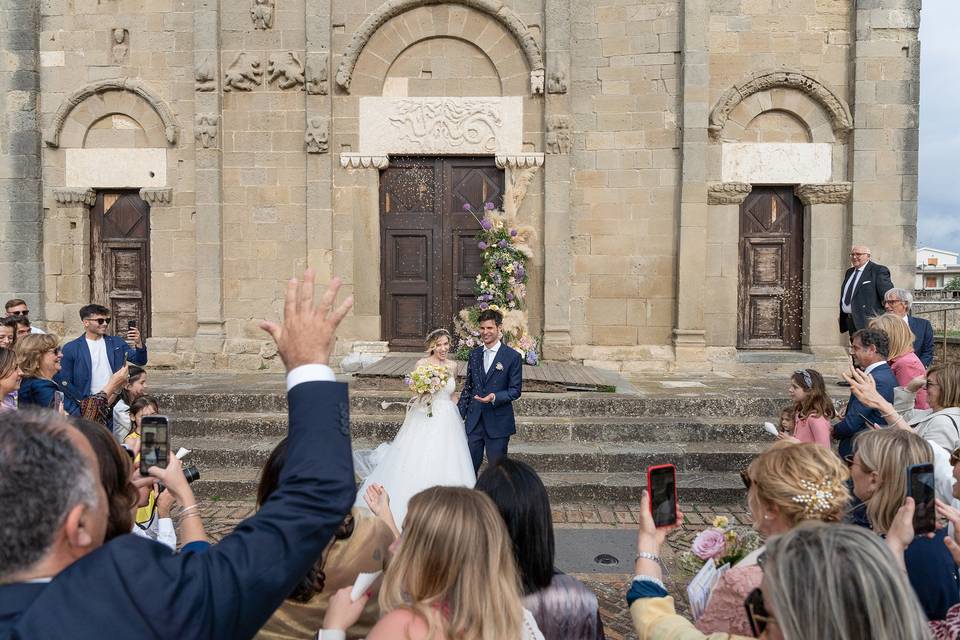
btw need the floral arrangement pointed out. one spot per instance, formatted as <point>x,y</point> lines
<point>501,284</point>
<point>721,543</point>
<point>426,380</point>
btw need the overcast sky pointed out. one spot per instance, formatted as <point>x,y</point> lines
<point>939,207</point>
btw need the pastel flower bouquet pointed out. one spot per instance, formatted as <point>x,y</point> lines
<point>426,380</point>
<point>501,284</point>
<point>721,543</point>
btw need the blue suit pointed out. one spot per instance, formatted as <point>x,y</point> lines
<point>491,424</point>
<point>859,414</point>
<point>76,366</point>
<point>132,587</point>
<point>923,342</point>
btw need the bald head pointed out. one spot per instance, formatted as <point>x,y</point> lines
<point>859,255</point>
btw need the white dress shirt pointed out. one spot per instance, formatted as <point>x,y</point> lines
<point>874,366</point>
<point>100,370</point>
<point>489,355</point>
<point>853,281</point>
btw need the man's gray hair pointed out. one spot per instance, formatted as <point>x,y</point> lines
<point>42,477</point>
<point>905,296</point>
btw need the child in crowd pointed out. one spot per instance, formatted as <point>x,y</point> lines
<point>135,387</point>
<point>812,407</point>
<point>788,419</point>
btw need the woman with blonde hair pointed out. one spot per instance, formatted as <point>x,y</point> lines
<point>879,471</point>
<point>452,577</point>
<point>39,357</point>
<point>901,358</point>
<point>787,484</point>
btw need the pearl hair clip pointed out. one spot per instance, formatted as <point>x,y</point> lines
<point>817,500</point>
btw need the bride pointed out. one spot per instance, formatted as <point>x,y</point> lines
<point>428,450</point>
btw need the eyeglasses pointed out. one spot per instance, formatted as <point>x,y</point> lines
<point>955,457</point>
<point>853,254</point>
<point>745,477</point>
<point>100,320</point>
<point>20,313</point>
<point>55,351</point>
<point>928,384</point>
<point>757,613</point>
<point>892,302</point>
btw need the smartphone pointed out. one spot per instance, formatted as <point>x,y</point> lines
<point>921,487</point>
<point>131,324</point>
<point>154,443</point>
<point>58,401</point>
<point>662,489</point>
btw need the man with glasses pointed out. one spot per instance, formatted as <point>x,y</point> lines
<point>899,302</point>
<point>17,308</point>
<point>861,293</point>
<point>90,360</point>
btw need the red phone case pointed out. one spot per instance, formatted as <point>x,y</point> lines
<point>650,471</point>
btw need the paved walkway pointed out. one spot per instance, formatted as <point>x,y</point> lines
<point>220,517</point>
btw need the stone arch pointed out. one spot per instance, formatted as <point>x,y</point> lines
<point>494,8</point>
<point>133,87</point>
<point>793,81</point>
<point>412,28</point>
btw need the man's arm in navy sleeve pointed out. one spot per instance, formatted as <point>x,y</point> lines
<point>467,392</point>
<point>514,383</point>
<point>926,346</point>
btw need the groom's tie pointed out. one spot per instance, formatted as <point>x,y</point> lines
<point>487,360</point>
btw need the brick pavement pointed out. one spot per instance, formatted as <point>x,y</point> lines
<point>220,517</point>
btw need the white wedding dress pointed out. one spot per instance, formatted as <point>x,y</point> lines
<point>428,451</point>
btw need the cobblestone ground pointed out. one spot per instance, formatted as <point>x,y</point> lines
<point>220,517</point>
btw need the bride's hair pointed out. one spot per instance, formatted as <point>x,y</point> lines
<point>454,567</point>
<point>434,336</point>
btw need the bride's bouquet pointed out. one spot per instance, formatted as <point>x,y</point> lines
<point>426,380</point>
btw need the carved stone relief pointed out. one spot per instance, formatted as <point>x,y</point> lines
<point>157,197</point>
<point>70,197</point>
<point>285,69</point>
<point>243,74</point>
<point>557,81</point>
<point>317,73</point>
<point>261,12</point>
<point>133,85</point>
<point>205,74</point>
<point>363,161</point>
<point>317,137</point>
<point>392,8</point>
<point>559,134</point>
<point>520,171</point>
<point>836,109</point>
<point>727,192</point>
<point>445,123</point>
<point>207,130</point>
<point>826,193</point>
<point>119,45</point>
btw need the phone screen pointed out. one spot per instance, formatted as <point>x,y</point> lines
<point>154,443</point>
<point>57,400</point>
<point>663,494</point>
<point>921,487</point>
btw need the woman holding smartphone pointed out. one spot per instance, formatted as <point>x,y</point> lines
<point>39,357</point>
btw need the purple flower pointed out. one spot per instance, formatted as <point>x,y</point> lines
<point>466,207</point>
<point>502,244</point>
<point>709,544</point>
<point>482,245</point>
<point>483,305</point>
<point>509,296</point>
<point>513,233</point>
<point>531,357</point>
<point>486,224</point>
<point>488,206</point>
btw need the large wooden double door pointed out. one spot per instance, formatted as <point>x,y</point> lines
<point>429,255</point>
<point>771,270</point>
<point>120,258</point>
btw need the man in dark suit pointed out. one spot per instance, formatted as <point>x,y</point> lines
<point>494,381</point>
<point>90,360</point>
<point>870,349</point>
<point>862,290</point>
<point>57,578</point>
<point>899,302</point>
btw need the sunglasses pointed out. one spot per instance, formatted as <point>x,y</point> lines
<point>955,458</point>
<point>757,613</point>
<point>20,313</point>
<point>100,320</point>
<point>55,351</point>
<point>745,477</point>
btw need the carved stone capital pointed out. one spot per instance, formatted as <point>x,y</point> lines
<point>827,193</point>
<point>74,197</point>
<point>157,197</point>
<point>519,160</point>
<point>363,161</point>
<point>727,192</point>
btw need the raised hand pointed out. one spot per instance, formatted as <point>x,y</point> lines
<point>308,332</point>
<point>953,516</point>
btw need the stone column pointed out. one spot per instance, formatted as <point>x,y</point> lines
<point>21,226</point>
<point>209,177</point>
<point>317,140</point>
<point>886,60</point>
<point>556,219</point>
<point>689,335</point>
<point>66,250</point>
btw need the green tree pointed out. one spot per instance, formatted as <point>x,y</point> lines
<point>953,284</point>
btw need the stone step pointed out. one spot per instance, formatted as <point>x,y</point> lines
<point>573,404</point>
<point>529,429</point>
<point>227,450</point>
<point>594,488</point>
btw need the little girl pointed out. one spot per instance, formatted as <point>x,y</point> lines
<point>788,419</point>
<point>813,408</point>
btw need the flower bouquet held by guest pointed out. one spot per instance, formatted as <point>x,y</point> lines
<point>813,408</point>
<point>431,447</point>
<point>786,485</point>
<point>904,362</point>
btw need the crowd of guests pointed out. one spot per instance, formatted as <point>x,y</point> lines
<point>840,558</point>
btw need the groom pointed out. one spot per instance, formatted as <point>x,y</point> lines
<point>494,381</point>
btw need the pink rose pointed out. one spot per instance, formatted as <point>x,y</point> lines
<point>709,544</point>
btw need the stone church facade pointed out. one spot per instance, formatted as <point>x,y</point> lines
<point>695,170</point>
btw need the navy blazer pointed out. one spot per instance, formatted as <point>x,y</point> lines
<point>505,383</point>
<point>39,392</point>
<point>859,414</point>
<point>923,341</point>
<point>867,300</point>
<point>132,587</point>
<point>76,367</point>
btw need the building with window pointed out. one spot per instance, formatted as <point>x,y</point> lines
<point>935,268</point>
